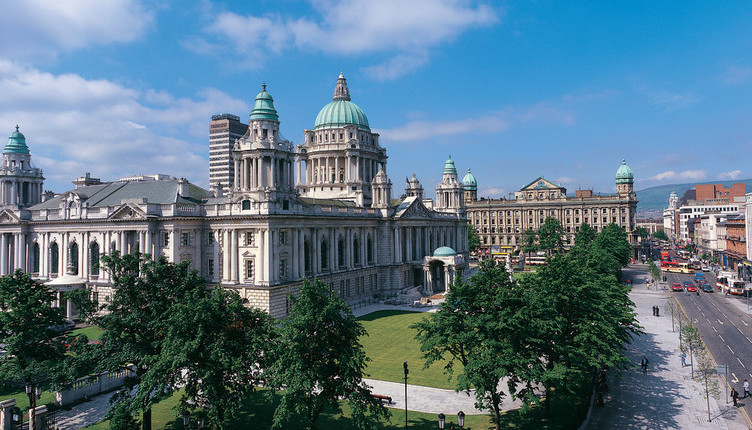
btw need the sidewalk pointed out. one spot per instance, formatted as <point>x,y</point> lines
<point>666,397</point>
<point>430,400</point>
<point>84,414</point>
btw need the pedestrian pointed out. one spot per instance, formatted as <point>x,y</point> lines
<point>746,389</point>
<point>644,363</point>
<point>683,358</point>
<point>734,395</point>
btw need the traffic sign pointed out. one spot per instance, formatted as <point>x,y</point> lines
<point>722,369</point>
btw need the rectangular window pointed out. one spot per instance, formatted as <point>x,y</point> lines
<point>210,238</point>
<point>185,239</point>
<point>250,238</point>
<point>165,239</point>
<point>347,288</point>
<point>282,268</point>
<point>210,267</point>
<point>282,237</point>
<point>250,270</point>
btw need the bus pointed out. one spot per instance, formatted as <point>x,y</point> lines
<point>536,260</point>
<point>686,268</point>
<point>665,256</point>
<point>683,254</point>
<point>670,266</point>
<point>726,282</point>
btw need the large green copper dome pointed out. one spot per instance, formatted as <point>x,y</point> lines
<point>444,251</point>
<point>624,174</point>
<point>469,183</point>
<point>263,108</point>
<point>341,111</point>
<point>16,144</point>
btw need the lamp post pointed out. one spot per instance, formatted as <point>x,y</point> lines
<point>461,419</point>
<point>442,419</point>
<point>404,364</point>
<point>34,392</point>
<point>186,419</point>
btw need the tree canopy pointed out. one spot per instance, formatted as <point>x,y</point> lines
<point>550,235</point>
<point>660,234</point>
<point>473,241</point>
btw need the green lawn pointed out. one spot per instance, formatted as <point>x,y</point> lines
<point>22,401</point>
<point>92,332</point>
<point>390,342</point>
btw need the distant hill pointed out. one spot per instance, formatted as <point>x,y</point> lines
<point>652,201</point>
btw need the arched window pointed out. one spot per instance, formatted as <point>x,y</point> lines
<point>35,258</point>
<point>246,205</point>
<point>54,259</point>
<point>324,255</point>
<point>73,262</point>
<point>94,259</point>
<point>341,252</point>
<point>356,251</point>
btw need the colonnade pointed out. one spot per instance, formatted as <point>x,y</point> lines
<point>412,243</point>
<point>321,170</point>
<point>17,191</point>
<point>259,171</point>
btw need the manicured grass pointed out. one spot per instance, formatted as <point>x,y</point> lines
<point>92,332</point>
<point>22,400</point>
<point>390,342</point>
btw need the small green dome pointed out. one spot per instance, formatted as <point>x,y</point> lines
<point>469,183</point>
<point>444,251</point>
<point>341,111</point>
<point>449,167</point>
<point>263,108</point>
<point>16,144</point>
<point>624,174</point>
<point>673,194</point>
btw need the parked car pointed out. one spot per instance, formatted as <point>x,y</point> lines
<point>676,287</point>
<point>705,268</point>
<point>707,288</point>
<point>692,288</point>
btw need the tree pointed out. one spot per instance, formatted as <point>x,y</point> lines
<point>80,298</point>
<point>661,235</point>
<point>550,233</point>
<point>137,321</point>
<point>476,325</point>
<point>529,239</point>
<point>706,371</point>
<point>613,239</point>
<point>690,338</point>
<point>473,241</point>
<point>216,348</point>
<point>642,232</point>
<point>319,359</point>
<point>585,236</point>
<point>28,331</point>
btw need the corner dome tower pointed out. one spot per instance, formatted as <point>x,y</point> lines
<point>263,108</point>
<point>624,174</point>
<point>469,182</point>
<point>341,111</point>
<point>16,143</point>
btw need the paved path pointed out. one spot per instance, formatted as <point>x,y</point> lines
<point>432,400</point>
<point>665,398</point>
<point>84,414</point>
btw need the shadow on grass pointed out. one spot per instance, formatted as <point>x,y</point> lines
<point>385,313</point>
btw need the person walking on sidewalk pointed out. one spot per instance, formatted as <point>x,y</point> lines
<point>683,356</point>
<point>644,363</point>
<point>746,388</point>
<point>734,396</point>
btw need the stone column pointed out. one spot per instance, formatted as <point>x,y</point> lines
<point>446,279</point>
<point>4,254</point>
<point>234,263</point>
<point>267,256</point>
<point>149,249</point>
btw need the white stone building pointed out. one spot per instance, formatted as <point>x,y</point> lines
<point>335,220</point>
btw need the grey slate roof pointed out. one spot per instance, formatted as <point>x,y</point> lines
<point>111,194</point>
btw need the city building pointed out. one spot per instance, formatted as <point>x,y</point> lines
<point>679,216</point>
<point>322,209</point>
<point>500,223</point>
<point>224,130</point>
<point>736,243</point>
<point>671,216</point>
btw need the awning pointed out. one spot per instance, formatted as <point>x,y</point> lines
<point>66,280</point>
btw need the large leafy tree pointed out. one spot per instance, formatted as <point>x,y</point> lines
<point>137,321</point>
<point>613,239</point>
<point>216,348</point>
<point>319,360</point>
<point>585,236</point>
<point>550,233</point>
<point>529,241</point>
<point>660,234</point>
<point>473,240</point>
<point>28,322</point>
<point>477,325</point>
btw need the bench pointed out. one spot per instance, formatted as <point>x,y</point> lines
<point>382,398</point>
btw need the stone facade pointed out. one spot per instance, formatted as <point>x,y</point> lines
<point>334,221</point>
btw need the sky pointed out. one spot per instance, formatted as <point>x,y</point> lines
<point>512,90</point>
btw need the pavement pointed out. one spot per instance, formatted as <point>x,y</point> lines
<point>666,397</point>
<point>83,414</point>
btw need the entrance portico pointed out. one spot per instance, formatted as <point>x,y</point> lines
<point>440,270</point>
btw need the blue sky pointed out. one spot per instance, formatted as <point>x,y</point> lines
<point>512,90</point>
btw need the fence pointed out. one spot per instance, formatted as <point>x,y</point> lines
<point>91,386</point>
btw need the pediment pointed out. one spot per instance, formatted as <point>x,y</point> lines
<point>8,217</point>
<point>540,184</point>
<point>127,212</point>
<point>413,210</point>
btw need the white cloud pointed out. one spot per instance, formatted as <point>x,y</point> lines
<point>493,192</point>
<point>692,175</point>
<point>737,75</point>
<point>73,125</point>
<point>734,174</point>
<point>491,123</point>
<point>564,180</point>
<point>404,29</point>
<point>37,29</point>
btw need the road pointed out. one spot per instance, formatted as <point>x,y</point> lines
<point>724,327</point>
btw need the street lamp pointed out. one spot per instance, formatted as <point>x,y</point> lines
<point>461,419</point>
<point>186,419</point>
<point>33,391</point>
<point>404,364</point>
<point>442,419</point>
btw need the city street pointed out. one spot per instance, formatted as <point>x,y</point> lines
<point>724,327</point>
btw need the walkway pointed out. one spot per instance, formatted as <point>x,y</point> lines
<point>665,398</point>
<point>83,414</point>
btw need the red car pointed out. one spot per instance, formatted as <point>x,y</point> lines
<point>692,288</point>
<point>676,287</point>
